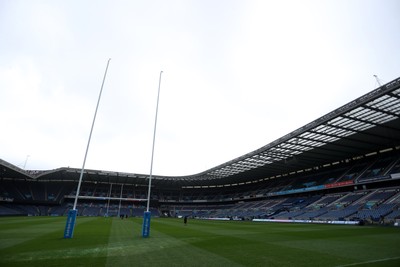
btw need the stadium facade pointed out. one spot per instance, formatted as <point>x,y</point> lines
<point>344,165</point>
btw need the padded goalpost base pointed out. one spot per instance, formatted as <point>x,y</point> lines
<point>70,225</point>
<point>146,224</point>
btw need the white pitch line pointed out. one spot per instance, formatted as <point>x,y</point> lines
<point>366,262</point>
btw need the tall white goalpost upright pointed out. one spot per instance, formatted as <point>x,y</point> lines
<point>147,213</point>
<point>71,219</point>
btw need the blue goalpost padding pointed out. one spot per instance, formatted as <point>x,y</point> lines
<point>146,224</point>
<point>70,225</point>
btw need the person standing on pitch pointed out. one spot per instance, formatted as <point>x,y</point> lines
<point>185,220</point>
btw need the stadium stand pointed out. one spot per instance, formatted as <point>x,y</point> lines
<point>342,166</point>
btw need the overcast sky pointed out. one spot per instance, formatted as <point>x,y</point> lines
<point>237,75</point>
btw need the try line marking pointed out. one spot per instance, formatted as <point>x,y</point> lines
<point>366,262</point>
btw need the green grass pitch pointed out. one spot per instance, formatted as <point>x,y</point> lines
<point>38,241</point>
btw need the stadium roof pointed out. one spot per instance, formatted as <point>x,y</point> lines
<point>367,124</point>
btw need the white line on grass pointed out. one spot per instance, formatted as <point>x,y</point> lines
<point>366,262</point>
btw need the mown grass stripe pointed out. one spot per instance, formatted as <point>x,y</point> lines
<point>14,232</point>
<point>126,247</point>
<point>48,245</point>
